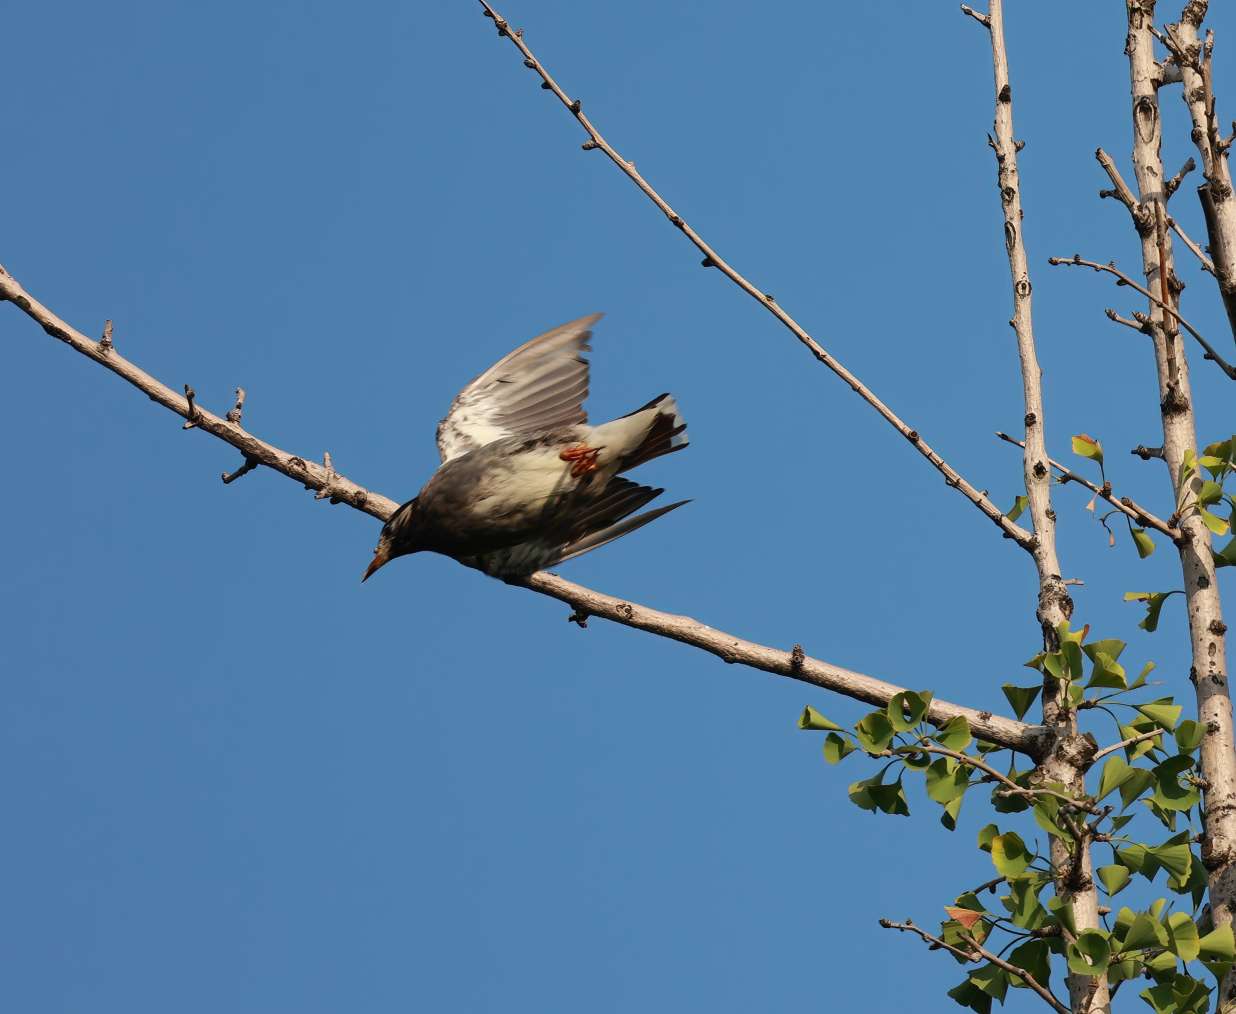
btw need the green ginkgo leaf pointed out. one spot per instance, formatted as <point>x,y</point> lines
<point>1162,713</point>
<point>837,748</point>
<point>1182,936</point>
<point>1019,505</point>
<point>1009,854</point>
<point>1089,952</point>
<point>874,732</point>
<point>812,719</point>
<point>1113,877</point>
<point>1143,542</point>
<point>1020,698</point>
<point>1088,447</point>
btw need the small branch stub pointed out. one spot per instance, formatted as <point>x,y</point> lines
<point>191,421</point>
<point>230,477</point>
<point>978,16</point>
<point>236,411</point>
<point>326,490</point>
<point>105,343</point>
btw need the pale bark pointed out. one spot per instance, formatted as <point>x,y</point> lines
<point>1206,627</point>
<point>329,484</point>
<point>1216,195</point>
<point>712,259</point>
<point>1071,754</point>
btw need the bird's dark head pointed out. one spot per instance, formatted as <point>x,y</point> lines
<point>399,538</point>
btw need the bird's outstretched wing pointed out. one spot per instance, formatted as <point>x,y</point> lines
<point>539,386</point>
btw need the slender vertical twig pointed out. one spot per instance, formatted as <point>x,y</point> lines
<point>1071,860</point>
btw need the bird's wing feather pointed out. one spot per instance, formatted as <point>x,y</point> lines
<point>539,386</point>
<point>598,538</point>
<point>606,519</point>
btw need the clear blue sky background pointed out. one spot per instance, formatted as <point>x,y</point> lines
<point>235,779</point>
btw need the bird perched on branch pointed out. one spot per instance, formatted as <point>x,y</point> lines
<point>525,482</point>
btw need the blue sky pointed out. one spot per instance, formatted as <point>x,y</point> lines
<point>237,779</point>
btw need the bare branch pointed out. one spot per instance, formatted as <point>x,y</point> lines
<point>325,480</point>
<point>794,664</point>
<point>1123,504</point>
<point>979,16</point>
<point>978,953</point>
<point>713,259</point>
<point>1054,604</point>
<point>1113,316</point>
<point>1218,204</point>
<point>1123,279</point>
<point>105,342</point>
<point>1141,737</point>
<point>1206,262</point>
<point>1146,453</point>
<point>1172,185</point>
<point>1122,192</point>
<point>1209,673</point>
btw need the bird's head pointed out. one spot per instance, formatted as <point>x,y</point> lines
<point>398,538</point>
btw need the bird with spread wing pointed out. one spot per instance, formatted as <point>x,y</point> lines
<point>525,482</point>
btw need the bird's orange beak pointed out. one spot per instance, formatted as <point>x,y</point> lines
<point>380,558</point>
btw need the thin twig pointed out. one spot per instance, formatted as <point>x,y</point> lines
<point>976,954</point>
<point>1123,504</point>
<point>1054,605</point>
<point>996,729</point>
<point>1122,192</point>
<point>1198,252</point>
<point>1010,786</point>
<point>1113,316</point>
<point>1123,279</point>
<point>595,141</point>
<point>1131,741</point>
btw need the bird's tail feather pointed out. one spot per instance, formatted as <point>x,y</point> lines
<point>666,432</point>
<point>596,539</point>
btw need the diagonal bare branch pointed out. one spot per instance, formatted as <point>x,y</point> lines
<point>326,482</point>
<point>1123,279</point>
<point>973,952</point>
<point>1123,504</point>
<point>1131,741</point>
<point>1207,264</point>
<point>712,259</point>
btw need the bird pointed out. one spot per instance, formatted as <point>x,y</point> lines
<point>525,482</point>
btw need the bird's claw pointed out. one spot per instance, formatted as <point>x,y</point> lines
<point>584,459</point>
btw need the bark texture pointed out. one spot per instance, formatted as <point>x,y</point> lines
<point>1206,628</point>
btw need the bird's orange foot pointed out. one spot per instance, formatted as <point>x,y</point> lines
<point>584,458</point>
